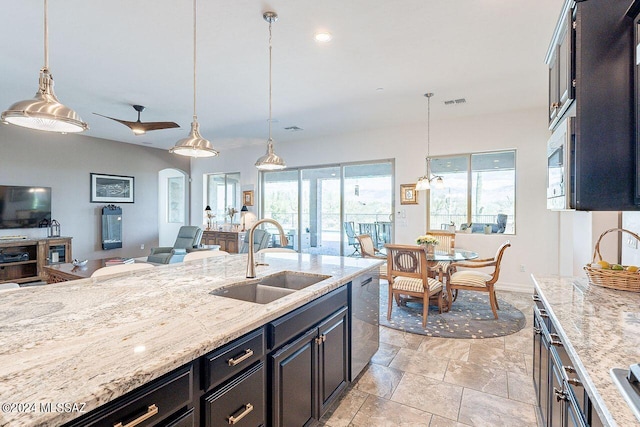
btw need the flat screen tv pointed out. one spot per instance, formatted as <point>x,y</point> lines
<point>24,207</point>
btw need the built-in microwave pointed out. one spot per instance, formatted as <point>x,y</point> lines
<point>561,187</point>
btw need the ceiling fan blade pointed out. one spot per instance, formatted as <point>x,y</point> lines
<point>158,125</point>
<point>124,122</point>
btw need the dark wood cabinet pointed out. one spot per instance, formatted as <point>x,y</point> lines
<point>590,59</point>
<point>561,60</point>
<point>310,363</point>
<point>165,401</point>
<point>562,399</point>
<point>228,240</point>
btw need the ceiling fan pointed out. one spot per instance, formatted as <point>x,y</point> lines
<point>140,128</point>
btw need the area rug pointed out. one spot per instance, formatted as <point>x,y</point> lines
<point>469,317</point>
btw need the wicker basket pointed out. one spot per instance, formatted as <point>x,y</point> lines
<point>615,279</point>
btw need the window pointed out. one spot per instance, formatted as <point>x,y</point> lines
<point>479,189</point>
<point>222,190</point>
<point>313,204</point>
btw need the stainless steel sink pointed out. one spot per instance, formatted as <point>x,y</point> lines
<point>269,288</point>
<point>292,280</point>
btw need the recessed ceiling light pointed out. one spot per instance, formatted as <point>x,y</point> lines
<point>323,37</point>
<point>379,89</point>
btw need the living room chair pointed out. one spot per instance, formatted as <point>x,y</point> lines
<point>351,237</point>
<point>189,237</point>
<point>120,268</point>
<point>479,281</point>
<point>260,241</point>
<point>368,250</point>
<point>409,274</point>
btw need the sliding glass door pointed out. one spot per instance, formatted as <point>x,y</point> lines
<point>315,204</point>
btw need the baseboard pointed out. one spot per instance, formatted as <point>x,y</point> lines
<point>525,288</point>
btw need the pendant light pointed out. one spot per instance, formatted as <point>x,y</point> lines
<point>194,145</point>
<point>424,182</point>
<point>44,111</point>
<point>270,161</point>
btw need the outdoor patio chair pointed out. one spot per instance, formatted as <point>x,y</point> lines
<point>351,237</point>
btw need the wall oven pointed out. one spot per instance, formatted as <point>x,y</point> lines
<point>561,161</point>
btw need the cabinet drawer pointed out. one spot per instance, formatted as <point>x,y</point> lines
<point>229,360</point>
<point>240,402</point>
<point>298,321</point>
<point>148,405</point>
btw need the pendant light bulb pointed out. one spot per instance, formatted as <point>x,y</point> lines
<point>194,145</point>
<point>270,161</point>
<point>44,112</point>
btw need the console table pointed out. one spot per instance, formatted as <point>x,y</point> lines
<point>229,241</point>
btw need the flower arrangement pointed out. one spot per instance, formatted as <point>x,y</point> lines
<point>427,239</point>
<point>231,212</point>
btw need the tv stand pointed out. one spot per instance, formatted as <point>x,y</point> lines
<point>25,259</point>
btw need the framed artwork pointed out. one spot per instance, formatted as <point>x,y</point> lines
<point>111,188</point>
<point>408,194</point>
<point>247,198</point>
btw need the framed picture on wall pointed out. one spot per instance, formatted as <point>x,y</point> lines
<point>111,188</point>
<point>247,198</point>
<point>408,194</point>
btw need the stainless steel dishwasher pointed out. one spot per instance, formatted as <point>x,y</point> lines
<point>365,308</point>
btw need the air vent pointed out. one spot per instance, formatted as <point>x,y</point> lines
<point>293,128</point>
<point>455,101</point>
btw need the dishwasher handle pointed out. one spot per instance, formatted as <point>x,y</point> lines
<point>366,282</point>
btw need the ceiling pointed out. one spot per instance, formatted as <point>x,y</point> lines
<point>107,55</point>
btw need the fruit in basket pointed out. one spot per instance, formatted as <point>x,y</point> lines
<point>604,264</point>
<point>632,268</point>
<point>617,267</point>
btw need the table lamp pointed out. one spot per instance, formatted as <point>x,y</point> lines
<point>207,212</point>
<point>243,212</point>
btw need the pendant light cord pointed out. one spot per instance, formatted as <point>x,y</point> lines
<point>195,116</point>
<point>46,36</point>
<point>270,92</point>
<point>428,123</point>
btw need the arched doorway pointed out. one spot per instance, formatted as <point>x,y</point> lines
<point>173,206</point>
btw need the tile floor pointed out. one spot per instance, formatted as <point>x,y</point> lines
<point>415,380</point>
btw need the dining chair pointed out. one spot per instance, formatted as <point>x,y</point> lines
<point>469,279</point>
<point>191,256</point>
<point>368,250</point>
<point>409,274</point>
<point>121,268</point>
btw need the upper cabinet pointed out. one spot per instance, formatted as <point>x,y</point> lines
<point>561,60</point>
<point>590,61</point>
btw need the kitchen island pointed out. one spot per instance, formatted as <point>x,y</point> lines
<point>598,329</point>
<point>87,342</point>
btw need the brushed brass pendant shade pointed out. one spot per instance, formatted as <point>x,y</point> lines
<point>44,112</point>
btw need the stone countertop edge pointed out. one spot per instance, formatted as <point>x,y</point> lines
<point>93,340</point>
<point>600,330</point>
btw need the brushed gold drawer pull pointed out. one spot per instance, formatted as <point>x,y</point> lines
<point>555,340</point>
<point>543,314</point>
<point>247,354</point>
<point>151,411</point>
<point>232,419</point>
<point>536,298</point>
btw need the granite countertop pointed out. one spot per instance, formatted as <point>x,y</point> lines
<point>600,328</point>
<point>89,341</point>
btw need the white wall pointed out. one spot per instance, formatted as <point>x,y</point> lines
<point>535,244</point>
<point>63,162</point>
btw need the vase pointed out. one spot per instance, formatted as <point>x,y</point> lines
<point>430,248</point>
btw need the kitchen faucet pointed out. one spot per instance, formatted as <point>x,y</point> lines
<point>251,266</point>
